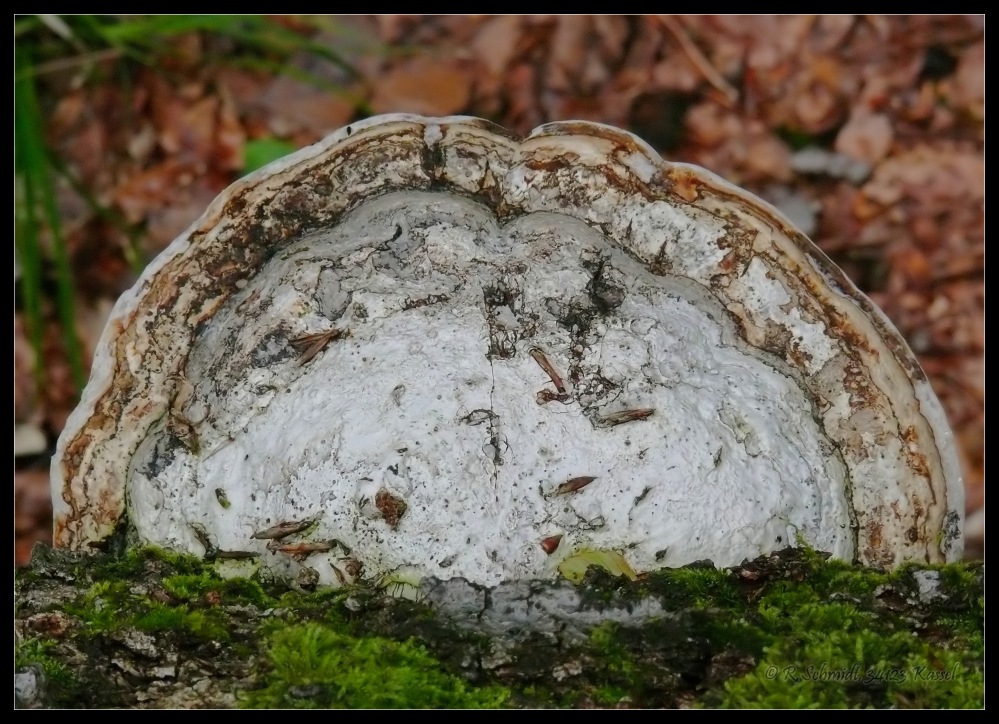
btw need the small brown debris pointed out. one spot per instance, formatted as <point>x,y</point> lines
<point>300,551</point>
<point>211,550</point>
<point>53,624</point>
<point>307,579</point>
<point>236,555</point>
<point>574,484</point>
<point>353,568</point>
<point>391,507</point>
<point>310,345</point>
<point>550,544</point>
<point>543,362</point>
<point>545,396</point>
<point>283,529</point>
<point>182,428</point>
<point>618,418</point>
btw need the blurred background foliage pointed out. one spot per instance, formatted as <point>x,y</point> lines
<point>105,48</point>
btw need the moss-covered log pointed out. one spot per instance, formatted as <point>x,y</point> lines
<point>152,629</point>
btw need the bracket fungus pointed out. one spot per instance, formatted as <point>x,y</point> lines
<point>429,345</point>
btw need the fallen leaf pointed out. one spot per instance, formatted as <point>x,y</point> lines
<point>574,567</point>
<point>967,89</point>
<point>496,43</point>
<point>294,107</point>
<point>152,189</point>
<point>426,85</point>
<point>866,137</point>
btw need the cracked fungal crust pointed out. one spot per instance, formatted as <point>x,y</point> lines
<point>692,235</point>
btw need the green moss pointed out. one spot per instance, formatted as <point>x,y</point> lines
<point>852,652</point>
<point>605,640</point>
<point>820,633</point>
<point>736,634</point>
<point>137,561</point>
<point>610,695</point>
<point>201,625</point>
<point>313,666</point>
<point>60,683</point>
<point>107,606</point>
<point>187,587</point>
<point>827,668</point>
<point>696,586</point>
<point>322,601</point>
<point>789,630</point>
<point>118,601</point>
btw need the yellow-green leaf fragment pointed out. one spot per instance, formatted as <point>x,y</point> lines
<point>574,567</point>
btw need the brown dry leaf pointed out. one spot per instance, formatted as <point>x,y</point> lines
<point>87,149</point>
<point>194,137</point>
<point>166,223</point>
<point>929,174</point>
<point>430,86</point>
<point>243,87</point>
<point>568,47</point>
<point>967,88</point>
<point>91,320</point>
<point>32,511</point>
<point>817,109</point>
<point>708,124</point>
<point>184,120</point>
<point>866,136</point>
<point>726,54</point>
<point>496,42</point>
<point>771,39</point>
<point>839,228</point>
<point>230,137</point>
<point>152,189</point>
<point>142,143</point>
<point>185,54</point>
<point>68,113</point>
<point>917,105</point>
<point>58,394</point>
<point>767,158</point>
<point>642,53</point>
<point>676,73</point>
<point>25,403</point>
<point>99,264</point>
<point>395,27</point>
<point>830,31</point>
<point>523,113</point>
<point>612,33</point>
<point>300,110</point>
<point>912,266</point>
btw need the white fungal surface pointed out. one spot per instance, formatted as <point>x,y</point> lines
<point>428,348</point>
<point>436,403</point>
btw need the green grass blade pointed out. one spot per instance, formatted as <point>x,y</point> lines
<point>255,30</point>
<point>26,240</point>
<point>27,245</point>
<point>31,163</point>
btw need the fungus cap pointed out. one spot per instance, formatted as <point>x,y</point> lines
<point>429,344</point>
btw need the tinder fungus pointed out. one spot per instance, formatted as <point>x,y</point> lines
<point>432,347</point>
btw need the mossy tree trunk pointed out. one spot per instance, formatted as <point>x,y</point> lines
<point>152,629</point>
